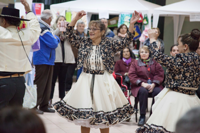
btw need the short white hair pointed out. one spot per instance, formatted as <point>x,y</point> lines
<point>46,14</point>
<point>80,22</point>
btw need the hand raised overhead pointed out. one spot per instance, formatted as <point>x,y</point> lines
<point>26,5</point>
<point>80,14</point>
<point>135,17</point>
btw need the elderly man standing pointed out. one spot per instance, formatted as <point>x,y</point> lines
<point>109,33</point>
<point>44,62</point>
<point>13,60</point>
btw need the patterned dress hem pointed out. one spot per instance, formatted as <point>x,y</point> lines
<point>152,129</point>
<point>86,117</point>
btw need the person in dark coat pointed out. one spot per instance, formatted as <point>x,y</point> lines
<point>146,76</point>
<point>126,58</point>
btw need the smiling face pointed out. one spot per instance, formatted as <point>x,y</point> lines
<point>123,30</point>
<point>95,32</point>
<point>126,53</point>
<point>174,51</point>
<point>144,54</point>
<point>80,28</point>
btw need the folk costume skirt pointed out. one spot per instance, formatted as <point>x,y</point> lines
<point>168,108</point>
<point>105,106</point>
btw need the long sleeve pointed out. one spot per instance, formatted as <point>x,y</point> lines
<point>167,61</point>
<point>74,39</point>
<point>34,27</point>
<point>118,45</point>
<point>159,74</point>
<point>132,73</point>
<point>50,40</point>
<point>117,68</point>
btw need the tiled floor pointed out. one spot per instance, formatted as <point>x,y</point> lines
<point>56,124</point>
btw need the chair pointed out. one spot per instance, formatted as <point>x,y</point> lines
<point>136,107</point>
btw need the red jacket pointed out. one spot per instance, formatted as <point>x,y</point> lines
<point>138,73</point>
<point>121,67</point>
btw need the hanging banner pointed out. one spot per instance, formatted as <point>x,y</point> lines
<point>124,18</point>
<point>145,20</point>
<point>194,17</point>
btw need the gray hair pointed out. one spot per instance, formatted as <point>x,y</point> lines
<point>80,22</point>
<point>46,14</point>
<point>190,122</point>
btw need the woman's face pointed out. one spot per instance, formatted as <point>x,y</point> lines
<point>61,19</point>
<point>95,32</point>
<point>174,51</point>
<point>181,47</point>
<point>126,53</point>
<point>81,28</point>
<point>144,54</point>
<point>123,30</point>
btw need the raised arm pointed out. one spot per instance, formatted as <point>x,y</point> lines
<point>34,26</point>
<point>74,39</point>
<point>120,44</point>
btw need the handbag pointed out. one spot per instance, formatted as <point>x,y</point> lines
<point>30,97</point>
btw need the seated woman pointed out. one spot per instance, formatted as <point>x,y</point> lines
<point>146,76</point>
<point>174,50</point>
<point>121,33</point>
<point>122,66</point>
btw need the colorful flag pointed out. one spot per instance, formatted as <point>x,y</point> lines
<point>124,19</point>
<point>137,32</point>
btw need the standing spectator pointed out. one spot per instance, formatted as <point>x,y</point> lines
<point>13,60</point>
<point>64,62</point>
<point>121,33</point>
<point>146,76</point>
<point>174,50</point>
<point>44,62</point>
<point>80,32</point>
<point>158,41</point>
<point>109,33</point>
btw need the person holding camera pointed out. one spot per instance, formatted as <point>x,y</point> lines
<point>65,60</point>
<point>15,45</point>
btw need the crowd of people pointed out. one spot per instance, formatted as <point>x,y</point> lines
<point>96,99</point>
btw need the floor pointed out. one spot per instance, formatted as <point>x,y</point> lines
<point>56,124</point>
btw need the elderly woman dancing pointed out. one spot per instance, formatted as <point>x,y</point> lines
<point>96,100</point>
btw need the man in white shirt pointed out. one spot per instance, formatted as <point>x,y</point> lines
<point>15,45</point>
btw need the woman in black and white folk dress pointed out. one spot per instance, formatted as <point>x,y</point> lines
<point>96,100</point>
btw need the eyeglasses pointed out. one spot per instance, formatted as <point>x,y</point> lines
<point>91,29</point>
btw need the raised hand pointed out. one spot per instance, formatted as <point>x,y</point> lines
<point>80,14</point>
<point>26,5</point>
<point>135,17</point>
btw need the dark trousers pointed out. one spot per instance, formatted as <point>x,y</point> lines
<point>12,91</point>
<point>69,74</point>
<point>59,71</point>
<point>143,95</point>
<point>43,80</point>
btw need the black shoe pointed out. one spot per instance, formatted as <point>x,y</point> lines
<point>37,111</point>
<point>48,110</point>
<point>141,122</point>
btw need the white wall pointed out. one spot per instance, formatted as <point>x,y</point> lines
<point>169,30</point>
